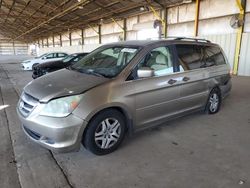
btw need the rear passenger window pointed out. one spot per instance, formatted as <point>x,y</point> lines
<point>190,57</point>
<point>61,55</point>
<point>213,56</point>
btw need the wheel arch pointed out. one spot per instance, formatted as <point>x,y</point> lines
<point>119,108</point>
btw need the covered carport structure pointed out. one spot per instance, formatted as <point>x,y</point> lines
<point>82,25</point>
<point>193,151</point>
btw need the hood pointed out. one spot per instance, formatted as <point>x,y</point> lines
<point>52,64</point>
<point>27,61</point>
<point>62,83</point>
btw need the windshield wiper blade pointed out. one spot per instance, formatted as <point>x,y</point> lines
<point>91,72</point>
<point>97,74</point>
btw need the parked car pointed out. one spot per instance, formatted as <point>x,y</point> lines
<point>48,57</point>
<point>122,88</point>
<point>44,68</point>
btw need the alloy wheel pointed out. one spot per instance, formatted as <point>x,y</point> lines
<point>214,102</point>
<point>107,133</point>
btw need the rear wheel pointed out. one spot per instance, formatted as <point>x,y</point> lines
<point>214,102</point>
<point>105,132</point>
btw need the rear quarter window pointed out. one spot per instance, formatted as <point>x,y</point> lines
<point>213,54</point>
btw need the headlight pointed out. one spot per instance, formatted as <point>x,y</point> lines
<point>61,107</point>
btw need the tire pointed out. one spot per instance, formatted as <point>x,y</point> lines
<point>105,132</point>
<point>34,66</point>
<point>213,102</point>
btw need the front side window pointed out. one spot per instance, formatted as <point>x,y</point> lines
<point>160,60</point>
<point>50,56</point>
<point>107,62</point>
<point>43,55</point>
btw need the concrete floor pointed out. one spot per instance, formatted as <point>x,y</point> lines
<point>201,151</point>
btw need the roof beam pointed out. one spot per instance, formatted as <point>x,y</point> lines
<point>54,17</point>
<point>13,3</point>
<point>92,19</point>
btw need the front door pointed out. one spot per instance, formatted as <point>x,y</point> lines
<point>157,96</point>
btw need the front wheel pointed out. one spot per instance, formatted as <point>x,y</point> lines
<point>214,102</point>
<point>105,132</point>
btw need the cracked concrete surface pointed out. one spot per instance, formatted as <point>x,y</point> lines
<point>194,151</point>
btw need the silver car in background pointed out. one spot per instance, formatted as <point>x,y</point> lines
<point>122,88</point>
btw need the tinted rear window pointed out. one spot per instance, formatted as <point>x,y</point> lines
<point>197,56</point>
<point>189,56</point>
<point>213,55</point>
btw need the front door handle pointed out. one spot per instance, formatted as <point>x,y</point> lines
<point>172,81</point>
<point>185,79</point>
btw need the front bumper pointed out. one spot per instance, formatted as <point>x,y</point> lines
<point>26,66</point>
<point>57,134</point>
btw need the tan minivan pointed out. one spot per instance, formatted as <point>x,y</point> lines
<point>121,88</point>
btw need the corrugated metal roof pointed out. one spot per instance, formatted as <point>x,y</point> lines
<point>31,19</point>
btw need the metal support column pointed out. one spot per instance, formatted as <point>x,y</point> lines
<point>53,40</point>
<point>47,42</point>
<point>60,40</point>
<point>163,22</point>
<point>196,22</point>
<point>82,37</point>
<point>165,27</point>
<point>70,39</point>
<point>242,6</point>
<point>124,29</point>
<point>14,50</point>
<point>100,33</point>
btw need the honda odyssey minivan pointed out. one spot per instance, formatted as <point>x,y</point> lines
<point>121,88</point>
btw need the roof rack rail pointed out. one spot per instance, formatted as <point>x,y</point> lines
<point>194,39</point>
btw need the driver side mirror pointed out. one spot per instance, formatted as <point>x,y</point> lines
<point>44,58</point>
<point>145,72</point>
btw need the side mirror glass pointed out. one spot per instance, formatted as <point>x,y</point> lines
<point>145,72</point>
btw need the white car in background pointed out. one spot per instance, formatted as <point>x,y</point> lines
<point>54,56</point>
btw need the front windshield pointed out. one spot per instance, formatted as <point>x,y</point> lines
<point>68,58</point>
<point>107,62</point>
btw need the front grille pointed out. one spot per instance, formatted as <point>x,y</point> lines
<point>26,104</point>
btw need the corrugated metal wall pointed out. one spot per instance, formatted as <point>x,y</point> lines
<point>8,48</point>
<point>244,64</point>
